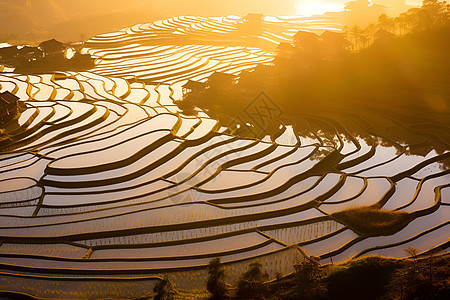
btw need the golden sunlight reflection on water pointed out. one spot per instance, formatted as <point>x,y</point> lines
<point>311,7</point>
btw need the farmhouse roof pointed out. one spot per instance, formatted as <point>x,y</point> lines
<point>283,46</point>
<point>8,52</point>
<point>6,98</point>
<point>332,35</point>
<point>27,50</point>
<point>51,46</point>
<point>193,85</point>
<point>254,17</point>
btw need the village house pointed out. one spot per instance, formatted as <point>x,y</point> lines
<point>8,53</point>
<point>252,24</point>
<point>254,18</point>
<point>52,48</point>
<point>220,80</point>
<point>285,50</point>
<point>333,37</point>
<point>9,107</point>
<point>217,80</point>
<point>308,50</point>
<point>394,7</point>
<point>334,45</point>
<point>30,54</point>
<point>383,35</point>
<point>306,40</point>
<point>250,81</point>
<point>193,87</point>
<point>362,12</point>
<point>329,46</point>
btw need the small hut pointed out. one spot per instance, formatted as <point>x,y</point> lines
<point>30,53</point>
<point>306,40</point>
<point>332,36</point>
<point>334,45</point>
<point>8,52</point>
<point>9,107</point>
<point>193,86</point>
<point>52,47</point>
<point>254,18</point>
<point>220,80</point>
<point>383,35</point>
<point>252,24</point>
<point>285,50</point>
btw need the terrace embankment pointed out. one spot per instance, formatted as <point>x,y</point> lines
<point>110,186</point>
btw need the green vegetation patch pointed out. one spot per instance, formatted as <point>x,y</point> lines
<point>364,278</point>
<point>373,221</point>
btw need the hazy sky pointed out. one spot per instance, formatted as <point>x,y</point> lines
<point>71,20</point>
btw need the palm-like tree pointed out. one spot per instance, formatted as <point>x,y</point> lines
<point>356,33</point>
<point>216,280</point>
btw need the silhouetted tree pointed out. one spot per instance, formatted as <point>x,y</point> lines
<point>164,290</point>
<point>309,280</point>
<point>356,34</point>
<point>370,33</point>
<point>216,279</point>
<point>251,283</point>
<point>414,279</point>
<point>434,14</point>
<point>386,23</point>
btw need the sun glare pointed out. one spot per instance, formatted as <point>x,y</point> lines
<point>310,7</point>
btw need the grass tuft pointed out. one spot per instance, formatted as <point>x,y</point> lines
<point>373,221</point>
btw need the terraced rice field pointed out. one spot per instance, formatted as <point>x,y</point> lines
<point>105,186</point>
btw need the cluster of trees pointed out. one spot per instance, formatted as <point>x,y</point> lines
<point>433,14</point>
<point>249,286</point>
<point>371,277</point>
